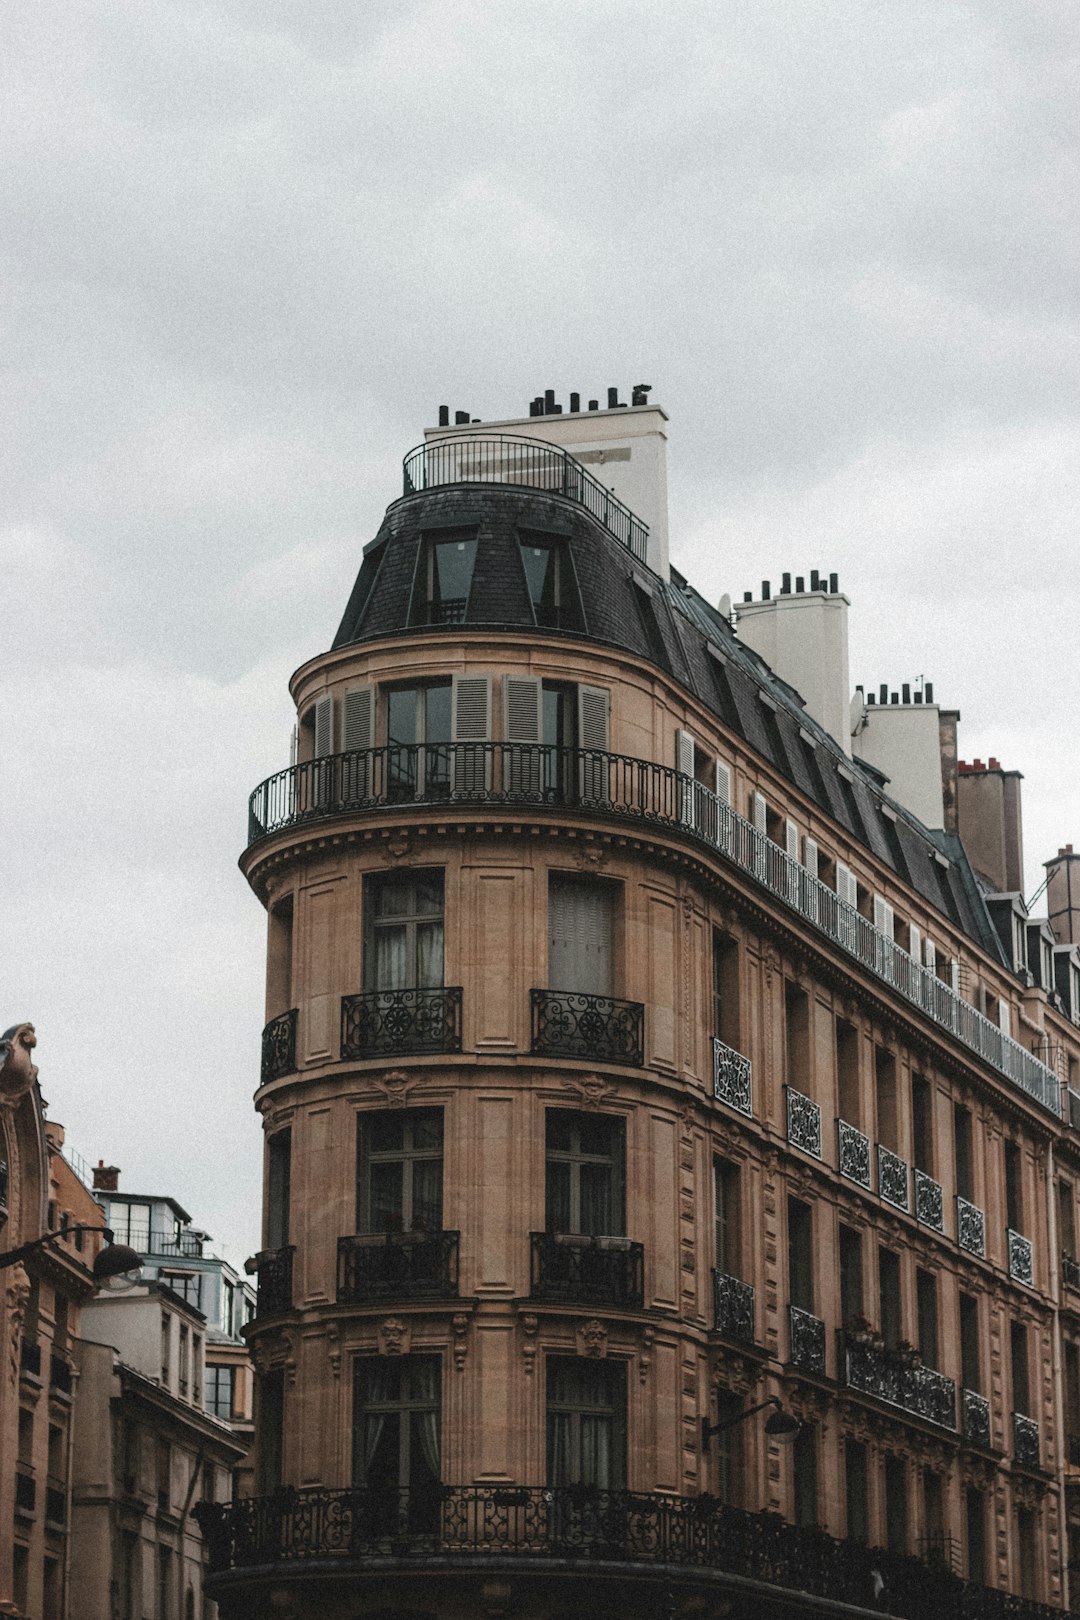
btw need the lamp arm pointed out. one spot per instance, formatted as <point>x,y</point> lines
<point>13,1256</point>
<point>709,1429</point>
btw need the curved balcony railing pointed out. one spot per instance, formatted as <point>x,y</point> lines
<point>573,1269</point>
<point>600,1029</point>
<point>399,1023</point>
<point>526,464</point>
<point>578,1526</point>
<point>397,1265</point>
<point>621,788</point>
<point>273,1276</point>
<point>278,1047</point>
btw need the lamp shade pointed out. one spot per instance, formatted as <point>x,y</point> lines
<point>116,1266</point>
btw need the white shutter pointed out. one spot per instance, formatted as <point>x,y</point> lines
<point>324,726</point>
<point>791,839</point>
<point>358,735</point>
<point>1004,1020</point>
<point>759,814</point>
<point>684,764</point>
<point>470,730</point>
<point>523,773</point>
<point>725,826</point>
<point>593,740</point>
<point>930,956</point>
<point>723,782</point>
<point>884,917</point>
<point>810,856</point>
<point>579,937</point>
<point>847,892</point>
<point>914,942</point>
<point>954,975</point>
<point>842,876</point>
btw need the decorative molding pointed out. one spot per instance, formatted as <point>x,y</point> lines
<point>398,846</point>
<point>396,1085</point>
<point>591,1089</point>
<point>648,1338</point>
<point>590,857</point>
<point>18,1071</point>
<point>395,1337</point>
<point>333,1346</point>
<point>592,1338</point>
<point>459,1328</point>
<point>18,1296</point>
<point>529,1327</point>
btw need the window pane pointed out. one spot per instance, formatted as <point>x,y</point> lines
<point>558,1130</point>
<point>598,1135</point>
<point>558,1197</point>
<point>451,574</point>
<point>429,894</point>
<point>401,716</point>
<point>386,1210</point>
<point>427,1196</point>
<point>427,1129</point>
<point>429,954</point>
<point>385,1132</point>
<point>437,714</point>
<point>391,946</point>
<point>597,1214</point>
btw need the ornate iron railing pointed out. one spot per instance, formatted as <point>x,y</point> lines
<point>273,1274</point>
<point>1026,1447</point>
<point>853,1153</point>
<point>807,1334</point>
<point>970,1227</point>
<point>1070,1271</point>
<point>1021,1261</point>
<point>803,1123</point>
<point>929,1201</point>
<point>892,1173</point>
<point>397,1265</point>
<point>526,464</point>
<point>580,1525</point>
<point>899,1381</point>
<point>401,1023</point>
<point>622,788</point>
<point>975,1409</point>
<point>279,1047</point>
<point>575,1269</point>
<point>733,1307</point>
<point>601,1029</point>
<point>732,1078</point>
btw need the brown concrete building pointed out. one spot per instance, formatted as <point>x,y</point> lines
<point>640,1076</point>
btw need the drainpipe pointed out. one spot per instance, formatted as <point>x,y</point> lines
<point>196,1474</point>
<point>1057,1373</point>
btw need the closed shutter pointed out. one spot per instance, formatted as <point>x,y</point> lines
<point>470,730</point>
<point>885,925</point>
<point>759,812</point>
<point>294,746</point>
<point>930,955</point>
<point>725,823</point>
<point>812,903</point>
<point>884,917</point>
<point>954,975</point>
<point>593,742</point>
<point>723,782</point>
<point>1004,1020</point>
<point>322,768</point>
<point>791,839</point>
<point>523,773</point>
<point>810,856</point>
<point>324,726</point>
<point>684,765</point>
<point>847,892</point>
<point>914,942</point>
<point>579,937</point>
<point>358,735</point>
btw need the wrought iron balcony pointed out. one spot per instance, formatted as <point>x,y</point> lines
<point>274,1282</point>
<point>731,1078</point>
<point>853,1153</point>
<point>279,1047</point>
<point>1021,1264</point>
<point>803,1123</point>
<point>807,1340</point>
<point>970,1227</point>
<point>401,1023</point>
<point>568,1268</point>
<point>1026,1447</point>
<point>929,1202</point>
<point>733,1307</point>
<point>1070,1271</point>
<point>624,789</point>
<point>356,1529</point>
<point>397,1265</point>
<point>976,1416</point>
<point>185,1243</point>
<point>526,464</point>
<point>600,1029</point>
<point>892,1174</point>
<point>899,1380</point>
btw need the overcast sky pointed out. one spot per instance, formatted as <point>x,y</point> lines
<point>248,247</point>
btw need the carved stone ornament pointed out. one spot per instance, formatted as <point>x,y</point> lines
<point>592,1337</point>
<point>17,1070</point>
<point>529,1327</point>
<point>648,1337</point>
<point>395,1337</point>
<point>18,1294</point>
<point>591,1089</point>
<point>459,1328</point>
<point>333,1347</point>
<point>291,1349</point>
<point>396,1084</point>
<point>397,846</point>
<point>590,857</point>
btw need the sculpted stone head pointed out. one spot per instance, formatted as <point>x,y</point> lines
<point>17,1071</point>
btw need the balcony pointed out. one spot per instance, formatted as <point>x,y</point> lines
<point>273,1271</point>
<point>970,1228</point>
<point>807,1340</point>
<point>803,1123</point>
<point>853,1153</point>
<point>929,1202</point>
<point>975,1410</point>
<point>401,1023</point>
<point>1026,1448</point>
<point>733,1307</point>
<point>899,1381</point>
<point>572,1269</point>
<point>1021,1259</point>
<point>1070,1272</point>
<point>381,1266</point>
<point>600,1029</point>
<point>731,1078</point>
<point>626,790</point>
<point>892,1178</point>
<point>278,1048</point>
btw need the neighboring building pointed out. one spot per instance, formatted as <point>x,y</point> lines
<point>145,1452</point>
<point>180,1256</point>
<point>642,1072</point>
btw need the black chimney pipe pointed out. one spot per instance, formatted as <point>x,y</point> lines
<point>444,416</point>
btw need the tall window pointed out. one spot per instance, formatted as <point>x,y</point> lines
<point>851,1274</point>
<point>404,938</point>
<point>797,1025</point>
<point>730,1468</point>
<point>889,1296</point>
<point>586,1418</point>
<point>1067,1218</point>
<point>885,1080</point>
<point>129,1569</point>
<point>856,1490</point>
<point>130,1224</point>
<point>1014,1191</point>
<point>418,732</point>
<point>847,1072</point>
<point>278,1188</point>
<point>188,1284</point>
<point>586,1159</point>
<point>219,1390</point>
<point>396,1432</point>
<point>922,1119</point>
<point>580,926</point>
<point>970,1358</point>
<point>271,1430</point>
<point>166,1348</point>
<point>449,563</point>
<point>1021,1384</point>
<point>725,965</point>
<point>975,1516</point>
<point>965,1180</point>
<point>804,1470</point>
<point>400,1171</point>
<point>728,1203</point>
<point>546,574</point>
<point>165,1583</point>
<point>926,1296</point>
<point>800,1255</point>
<point>896,1515</point>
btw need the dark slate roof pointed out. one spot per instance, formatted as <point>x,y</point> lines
<point>623,604</point>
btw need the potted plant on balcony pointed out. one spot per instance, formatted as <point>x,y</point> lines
<point>907,1354</point>
<point>859,1329</point>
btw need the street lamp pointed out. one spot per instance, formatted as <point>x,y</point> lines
<point>115,1266</point>
<point>779,1425</point>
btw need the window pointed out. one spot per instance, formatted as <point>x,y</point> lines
<point>399,1171</point>
<point>396,1436</point>
<point>926,1299</point>
<point>279,950</point>
<point>1067,1219</point>
<point>1014,1199</point>
<point>278,1183</point>
<point>270,1430</point>
<point>219,1390</point>
<point>129,1572</point>
<point>856,1489</point>
<point>586,1422</point>
<point>1026,1554</point>
<point>729,1454</point>
<point>728,1195</point>
<point>1072,1394</point>
<point>184,1359</point>
<point>196,1369</point>
<point>970,1358</point>
<point>889,1297</point>
<point>800,1255</point>
<point>166,1347</point>
<point>804,1472</point>
<point>847,1072</point>
<point>851,1275</point>
<point>885,1083</point>
<point>549,580</point>
<point>130,1224</point>
<point>404,938</point>
<point>50,1591</point>
<point>586,1157</point>
<point>896,1518</point>
<point>129,1441</point>
<point>922,1119</point>
<point>209,1483</point>
<point>975,1516</point>
<point>163,1474</point>
<point>580,928</point>
<point>965,1181</point>
<point>1021,1386</point>
<point>933,1537</point>
<point>797,1026</point>
<point>725,966</point>
<point>448,563</point>
<point>418,735</point>
<point>188,1284</point>
<point>165,1583</point>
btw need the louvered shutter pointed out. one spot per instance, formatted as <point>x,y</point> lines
<point>470,730</point>
<point>324,726</point>
<point>885,925</point>
<point>579,937</point>
<point>723,782</point>
<point>294,746</point>
<point>884,917</point>
<point>811,900</point>
<point>930,956</point>
<point>845,885</point>
<point>791,839</point>
<point>1004,1019</point>
<point>810,856</point>
<point>358,736</point>
<point>725,825</point>
<point>759,812</point>
<point>914,942</point>
<point>684,765</point>
<point>954,975</point>
<point>322,765</point>
<point>523,773</point>
<point>593,742</point>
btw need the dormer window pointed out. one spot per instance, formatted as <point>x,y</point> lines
<point>543,559</point>
<point>449,563</point>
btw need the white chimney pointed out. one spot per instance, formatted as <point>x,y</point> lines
<point>803,637</point>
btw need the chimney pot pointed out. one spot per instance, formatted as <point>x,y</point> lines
<point>460,417</point>
<point>594,404</point>
<point>444,416</point>
<point>834,584</point>
<point>994,764</point>
<point>799,583</point>
<point>748,596</point>
<point>905,692</point>
<point>766,591</point>
<point>815,579</point>
<point>549,402</point>
<point>929,691</point>
<point>883,693</point>
<point>785,584</point>
<point>575,403</point>
<point>896,697</point>
<point>871,697</point>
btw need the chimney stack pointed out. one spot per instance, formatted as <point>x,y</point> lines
<point>106,1177</point>
<point>1063,895</point>
<point>990,824</point>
